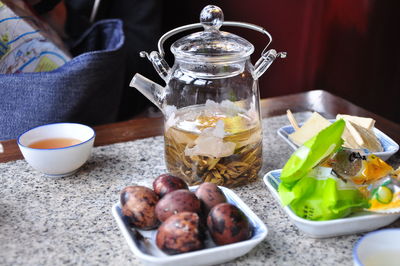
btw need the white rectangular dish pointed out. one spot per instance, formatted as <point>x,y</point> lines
<point>355,223</point>
<point>390,147</point>
<point>149,253</point>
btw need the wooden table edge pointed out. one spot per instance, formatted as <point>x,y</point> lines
<point>316,100</point>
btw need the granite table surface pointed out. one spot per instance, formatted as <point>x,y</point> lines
<point>46,221</point>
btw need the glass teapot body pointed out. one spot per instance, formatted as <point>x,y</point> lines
<point>210,102</point>
<point>212,123</point>
<point>193,83</point>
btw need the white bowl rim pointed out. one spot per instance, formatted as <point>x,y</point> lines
<point>359,241</point>
<point>60,123</point>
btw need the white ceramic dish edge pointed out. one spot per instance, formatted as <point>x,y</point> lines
<point>206,256</point>
<point>390,146</point>
<point>356,223</point>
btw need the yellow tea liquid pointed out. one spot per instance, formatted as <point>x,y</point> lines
<point>54,143</point>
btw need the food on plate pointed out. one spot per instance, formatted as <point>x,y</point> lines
<point>177,201</point>
<point>180,233</point>
<point>182,215</point>
<point>364,122</point>
<point>375,179</point>
<point>360,169</point>
<point>138,206</point>
<point>358,133</point>
<point>314,192</point>
<point>358,137</point>
<point>227,224</point>
<point>309,129</point>
<point>209,195</point>
<point>312,152</point>
<point>383,195</point>
<point>323,180</point>
<point>167,183</point>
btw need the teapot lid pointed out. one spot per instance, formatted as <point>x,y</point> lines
<point>212,45</point>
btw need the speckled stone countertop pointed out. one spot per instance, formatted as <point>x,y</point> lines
<point>45,221</point>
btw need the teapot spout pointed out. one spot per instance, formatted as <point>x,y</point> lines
<point>151,90</point>
<point>266,60</point>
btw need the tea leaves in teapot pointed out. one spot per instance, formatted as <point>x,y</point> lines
<point>231,157</point>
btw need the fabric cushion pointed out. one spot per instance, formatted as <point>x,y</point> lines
<point>86,89</point>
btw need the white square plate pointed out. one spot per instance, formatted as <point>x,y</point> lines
<point>355,223</point>
<point>390,147</point>
<point>212,254</point>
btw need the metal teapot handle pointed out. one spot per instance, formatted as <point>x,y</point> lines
<point>262,64</point>
<point>199,25</point>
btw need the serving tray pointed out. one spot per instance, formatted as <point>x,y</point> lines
<point>355,223</point>
<point>389,146</point>
<point>150,254</point>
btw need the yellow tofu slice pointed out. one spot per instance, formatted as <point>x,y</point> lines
<point>364,122</point>
<point>365,138</point>
<point>359,133</point>
<point>310,128</point>
<point>349,141</point>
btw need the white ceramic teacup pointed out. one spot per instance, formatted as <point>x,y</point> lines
<point>57,162</point>
<point>378,248</point>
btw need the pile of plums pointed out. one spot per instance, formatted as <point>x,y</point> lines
<point>182,217</point>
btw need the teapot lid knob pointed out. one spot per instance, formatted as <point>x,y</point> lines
<point>212,18</point>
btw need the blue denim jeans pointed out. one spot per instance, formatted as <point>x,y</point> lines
<point>86,89</point>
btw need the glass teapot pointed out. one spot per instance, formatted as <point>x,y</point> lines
<point>210,102</point>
